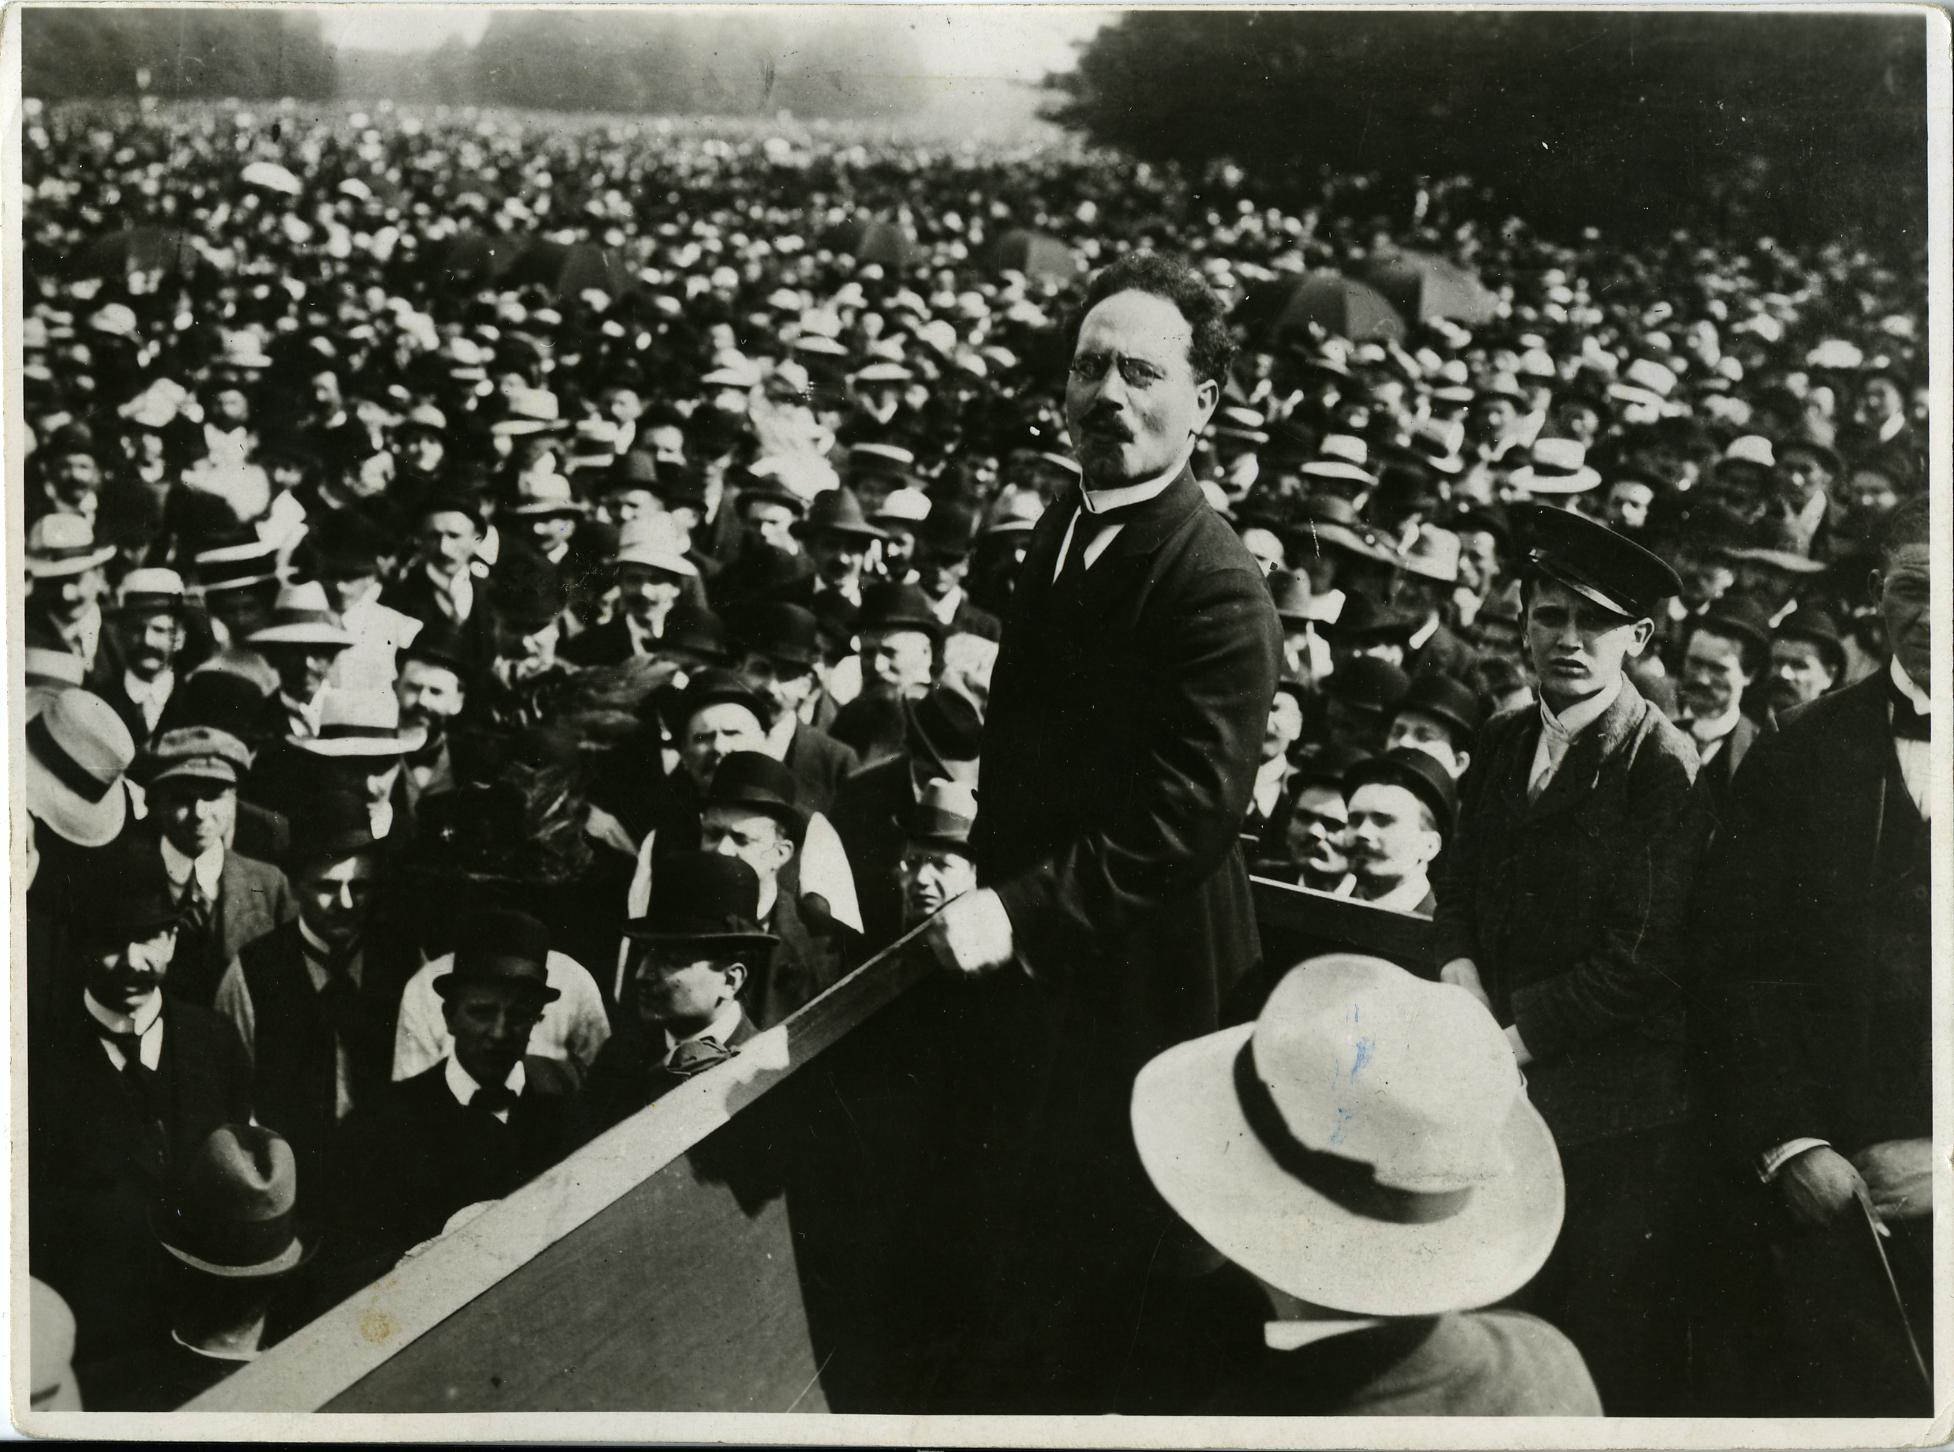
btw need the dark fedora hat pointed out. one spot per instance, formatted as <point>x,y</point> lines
<point>839,511</point>
<point>1418,772</point>
<point>950,529</point>
<point>1292,597</point>
<point>765,572</point>
<point>526,590</point>
<point>128,892</point>
<point>1593,561</point>
<point>504,947</point>
<point>1735,613</point>
<point>334,824</point>
<point>754,780</point>
<point>231,1211</point>
<point>347,542</point>
<point>703,898</point>
<point>888,605</point>
<point>698,631</point>
<point>1366,681</point>
<point>1326,764</point>
<point>946,724</point>
<point>1436,694</point>
<point>778,630</point>
<point>440,642</point>
<point>1819,626</point>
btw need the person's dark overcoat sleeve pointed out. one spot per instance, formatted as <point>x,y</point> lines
<point>1215,664</point>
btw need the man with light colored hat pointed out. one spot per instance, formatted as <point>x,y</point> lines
<point>1366,1152</point>
<point>232,1226</point>
<point>301,641</point>
<point>65,583</point>
<point>358,747</point>
<point>653,574</point>
<point>77,752</point>
<point>1428,574</point>
<point>225,898</point>
<point>1556,472</point>
<point>147,635</point>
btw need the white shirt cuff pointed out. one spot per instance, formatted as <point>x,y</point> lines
<point>1770,1163</point>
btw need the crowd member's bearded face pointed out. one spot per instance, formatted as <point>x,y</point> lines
<point>231,408</point>
<point>840,558</point>
<point>1800,672</point>
<point>667,444</point>
<point>898,662</point>
<point>151,642</point>
<point>1317,829</point>
<point>1133,405</point>
<point>430,696</point>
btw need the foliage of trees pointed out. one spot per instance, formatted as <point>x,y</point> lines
<point>1796,124</point>
<point>174,51</point>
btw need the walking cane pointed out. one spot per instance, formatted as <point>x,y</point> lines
<point>1878,1234</point>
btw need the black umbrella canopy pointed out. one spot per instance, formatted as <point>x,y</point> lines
<point>135,249</point>
<point>1035,254</point>
<point>567,269</point>
<point>870,239</point>
<point>1340,306</point>
<point>1423,286</point>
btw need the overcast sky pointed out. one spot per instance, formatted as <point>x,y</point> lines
<point>1019,41</point>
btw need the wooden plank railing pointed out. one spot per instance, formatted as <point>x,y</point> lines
<point>737,1246</point>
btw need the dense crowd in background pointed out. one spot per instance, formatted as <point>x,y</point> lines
<point>510,604</point>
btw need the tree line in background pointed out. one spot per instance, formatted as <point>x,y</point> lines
<point>1799,125</point>
<point>1802,125</point>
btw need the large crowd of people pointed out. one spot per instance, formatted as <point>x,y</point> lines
<point>511,609</point>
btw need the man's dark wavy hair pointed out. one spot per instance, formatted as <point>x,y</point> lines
<point>1907,524</point>
<point>1213,348</point>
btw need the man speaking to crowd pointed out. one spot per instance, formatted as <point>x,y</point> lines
<point>1126,714</point>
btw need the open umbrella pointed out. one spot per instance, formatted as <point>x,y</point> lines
<point>1342,307</point>
<point>568,268</point>
<point>137,249</point>
<point>471,258</point>
<point>1423,286</point>
<point>869,239</point>
<point>272,177</point>
<point>1035,254</point>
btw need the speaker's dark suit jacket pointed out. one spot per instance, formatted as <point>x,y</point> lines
<point>1573,907</point>
<point>1126,716</point>
<point>101,1150</point>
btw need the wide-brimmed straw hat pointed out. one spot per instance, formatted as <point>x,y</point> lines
<point>77,752</point>
<point>1366,1145</point>
<point>302,615</point>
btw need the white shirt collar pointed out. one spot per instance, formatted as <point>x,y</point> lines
<point>1922,702</point>
<point>1270,777</point>
<point>1403,898</point>
<point>462,1084</point>
<point>235,1356</point>
<point>945,608</point>
<point>1294,1335</point>
<point>1578,717</point>
<point>145,693</point>
<point>1715,728</point>
<point>720,1030</point>
<point>209,868</point>
<point>147,1013</point>
<point>1098,501</point>
<point>1422,634</point>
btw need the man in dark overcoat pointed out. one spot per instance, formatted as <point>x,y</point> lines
<point>1562,902</point>
<point>1126,716</point>
<point>1818,915</point>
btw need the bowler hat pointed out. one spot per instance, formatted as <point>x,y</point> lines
<point>778,630</point>
<point>705,899</point>
<point>1367,681</point>
<point>1418,772</point>
<point>150,589</point>
<point>501,946</point>
<point>1437,695</point>
<point>439,642</point>
<point>214,696</point>
<point>335,823</point>
<point>715,687</point>
<point>950,531</point>
<point>232,1209</point>
<point>129,894</point>
<point>889,605</point>
<point>755,780</point>
<point>77,752</point>
<point>1365,1145</point>
<point>1593,561</point>
<point>1326,764</point>
<point>1735,613</point>
<point>945,724</point>
<point>696,630</point>
<point>1819,626</point>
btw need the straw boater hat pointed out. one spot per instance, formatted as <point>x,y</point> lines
<point>357,724</point>
<point>301,615</point>
<point>653,541</point>
<point>64,544</point>
<point>1556,466</point>
<point>1365,1145</point>
<point>77,751</point>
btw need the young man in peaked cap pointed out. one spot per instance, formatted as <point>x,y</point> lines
<point>1561,905</point>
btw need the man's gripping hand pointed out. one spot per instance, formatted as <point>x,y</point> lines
<point>972,933</point>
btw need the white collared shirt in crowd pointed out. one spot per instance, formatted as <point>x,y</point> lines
<point>724,1024</point>
<point>146,1023</point>
<point>572,1029</point>
<point>1557,733</point>
<point>462,1085</point>
<point>1919,767</point>
<point>209,867</point>
<point>149,697</point>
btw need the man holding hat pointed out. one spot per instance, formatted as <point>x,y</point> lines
<point>1400,809</point>
<point>225,899</point>
<point>1561,904</point>
<point>692,954</point>
<point>147,639</point>
<point>232,1229</point>
<point>124,1086</point>
<point>1378,1206</point>
<point>478,1125</point>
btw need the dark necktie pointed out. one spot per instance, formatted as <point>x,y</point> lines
<point>1089,527</point>
<point>1909,724</point>
<point>129,1045</point>
<point>695,1056</point>
<point>491,1099</point>
<point>195,906</point>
